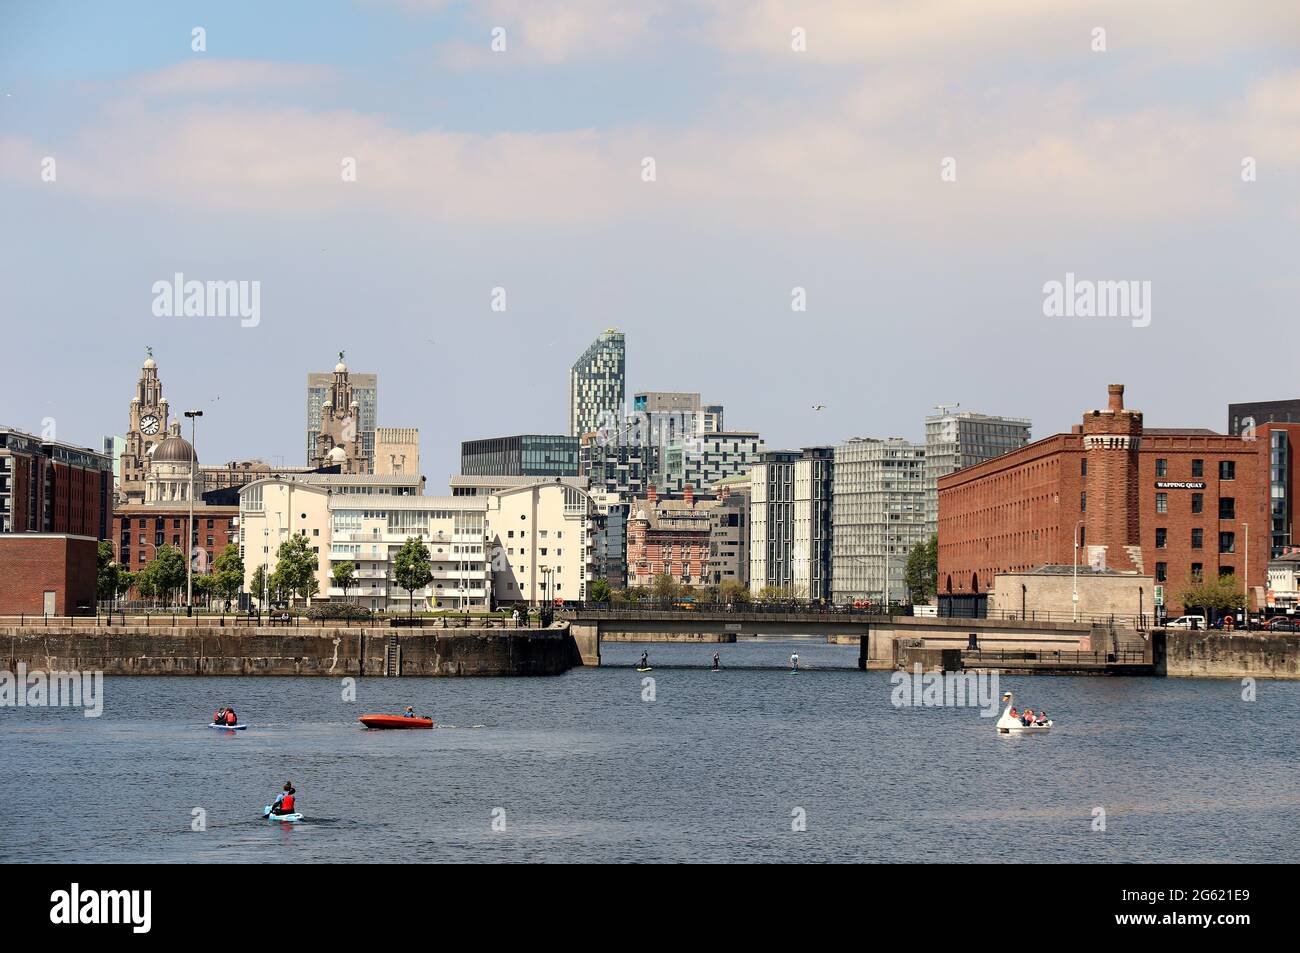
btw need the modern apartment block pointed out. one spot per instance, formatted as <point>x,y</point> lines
<point>47,486</point>
<point>325,397</point>
<point>790,544</point>
<point>622,468</point>
<point>598,385</point>
<point>1245,416</point>
<point>955,440</point>
<point>879,512</point>
<point>535,455</point>
<point>703,460</point>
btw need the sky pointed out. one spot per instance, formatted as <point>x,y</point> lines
<point>920,171</point>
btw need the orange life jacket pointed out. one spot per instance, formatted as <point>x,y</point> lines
<point>230,717</point>
<point>286,804</point>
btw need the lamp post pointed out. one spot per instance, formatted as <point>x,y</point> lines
<point>1074,595</point>
<point>193,415</point>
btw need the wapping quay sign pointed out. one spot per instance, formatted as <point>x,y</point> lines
<point>1179,486</point>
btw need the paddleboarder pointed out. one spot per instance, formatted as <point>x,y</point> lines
<point>285,802</point>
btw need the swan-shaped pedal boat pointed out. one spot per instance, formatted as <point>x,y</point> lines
<point>1008,725</point>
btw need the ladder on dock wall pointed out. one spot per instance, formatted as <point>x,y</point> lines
<point>393,657</point>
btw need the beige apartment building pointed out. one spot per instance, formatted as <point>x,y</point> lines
<point>540,541</point>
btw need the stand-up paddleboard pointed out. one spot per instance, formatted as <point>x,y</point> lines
<point>266,813</point>
<point>238,727</point>
<point>648,668</point>
<point>394,721</point>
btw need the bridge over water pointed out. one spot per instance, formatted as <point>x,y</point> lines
<point>874,634</point>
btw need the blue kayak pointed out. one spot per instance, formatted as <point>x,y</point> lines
<point>266,813</point>
<point>239,727</point>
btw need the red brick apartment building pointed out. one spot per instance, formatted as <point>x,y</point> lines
<point>47,486</point>
<point>1172,503</point>
<point>48,574</point>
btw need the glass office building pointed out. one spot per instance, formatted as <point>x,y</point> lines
<point>540,455</point>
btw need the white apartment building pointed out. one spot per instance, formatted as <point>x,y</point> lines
<point>879,513</point>
<point>540,539</point>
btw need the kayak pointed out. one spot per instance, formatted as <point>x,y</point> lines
<point>266,813</point>
<point>239,727</point>
<point>394,721</point>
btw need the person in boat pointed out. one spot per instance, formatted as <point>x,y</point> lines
<point>219,718</point>
<point>285,802</point>
<point>231,717</point>
<point>1042,717</point>
<point>645,660</point>
<point>1029,718</point>
<point>716,661</point>
<point>1014,714</point>
<point>794,660</point>
<point>409,713</point>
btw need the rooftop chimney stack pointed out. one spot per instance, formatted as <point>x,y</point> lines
<point>1116,392</point>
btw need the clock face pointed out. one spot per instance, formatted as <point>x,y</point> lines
<point>149,425</point>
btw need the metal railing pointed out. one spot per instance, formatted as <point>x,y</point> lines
<point>1125,656</point>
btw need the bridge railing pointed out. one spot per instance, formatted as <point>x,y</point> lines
<point>658,608</point>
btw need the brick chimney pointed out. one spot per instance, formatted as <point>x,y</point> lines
<point>689,494</point>
<point>1115,394</point>
<point>651,495</point>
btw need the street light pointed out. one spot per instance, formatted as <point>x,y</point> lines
<point>193,415</point>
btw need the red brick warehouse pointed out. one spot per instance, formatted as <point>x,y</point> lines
<point>1173,503</point>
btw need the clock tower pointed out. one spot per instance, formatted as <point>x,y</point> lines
<point>148,427</point>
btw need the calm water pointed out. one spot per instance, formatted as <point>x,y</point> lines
<point>709,771</point>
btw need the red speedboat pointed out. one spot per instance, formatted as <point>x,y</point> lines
<point>394,721</point>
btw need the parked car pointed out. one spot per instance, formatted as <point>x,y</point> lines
<point>1187,622</point>
<point>1282,623</point>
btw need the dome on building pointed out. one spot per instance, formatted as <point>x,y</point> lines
<point>328,404</point>
<point>174,450</point>
<point>337,455</point>
<point>340,368</point>
<point>150,364</point>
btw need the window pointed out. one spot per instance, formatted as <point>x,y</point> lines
<point>1083,502</point>
<point>1225,571</point>
<point>1198,468</point>
<point>1198,571</point>
<point>1227,469</point>
<point>1083,466</point>
<point>1198,539</point>
<point>1162,502</point>
<point>1227,508</point>
<point>1227,542</point>
<point>1162,538</point>
<point>1198,502</point>
<point>1162,572</point>
<point>1162,468</point>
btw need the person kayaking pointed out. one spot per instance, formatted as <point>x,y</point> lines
<point>409,713</point>
<point>226,716</point>
<point>285,803</point>
<point>716,661</point>
<point>219,717</point>
<point>794,661</point>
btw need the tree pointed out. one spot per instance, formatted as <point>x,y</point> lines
<point>109,573</point>
<point>126,581</point>
<point>296,566</point>
<point>664,586</point>
<point>228,575</point>
<point>1213,595</point>
<point>204,587</point>
<point>732,590</point>
<point>411,569</point>
<point>600,591</point>
<point>165,573</point>
<point>259,585</point>
<point>921,575</point>
<point>345,576</point>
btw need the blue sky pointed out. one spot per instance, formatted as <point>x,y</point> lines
<point>775,168</point>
